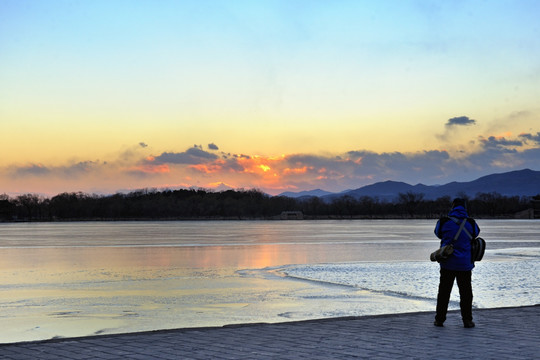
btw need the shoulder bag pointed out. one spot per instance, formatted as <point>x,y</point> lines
<point>443,253</point>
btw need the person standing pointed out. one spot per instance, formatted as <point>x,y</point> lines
<point>459,265</point>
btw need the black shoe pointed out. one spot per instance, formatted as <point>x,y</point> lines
<point>468,324</point>
<point>438,323</point>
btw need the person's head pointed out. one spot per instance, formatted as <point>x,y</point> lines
<point>459,202</point>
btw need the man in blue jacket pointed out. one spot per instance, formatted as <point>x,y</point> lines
<point>459,265</point>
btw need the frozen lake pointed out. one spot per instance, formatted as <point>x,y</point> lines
<point>75,279</point>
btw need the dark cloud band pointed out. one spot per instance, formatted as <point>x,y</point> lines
<point>460,121</point>
<point>191,156</point>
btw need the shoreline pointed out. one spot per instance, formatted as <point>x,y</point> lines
<point>451,313</point>
<point>247,219</point>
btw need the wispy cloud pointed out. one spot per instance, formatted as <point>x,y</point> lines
<point>29,170</point>
<point>40,170</point>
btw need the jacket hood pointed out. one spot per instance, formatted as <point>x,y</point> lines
<point>459,212</point>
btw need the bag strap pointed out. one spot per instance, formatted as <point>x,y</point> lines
<point>461,227</point>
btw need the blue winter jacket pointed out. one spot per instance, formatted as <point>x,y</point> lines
<point>446,229</point>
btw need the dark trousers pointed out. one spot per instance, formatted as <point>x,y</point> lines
<point>465,294</point>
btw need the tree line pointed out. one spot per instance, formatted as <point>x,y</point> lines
<point>152,204</point>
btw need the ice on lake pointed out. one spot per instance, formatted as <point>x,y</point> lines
<point>78,279</point>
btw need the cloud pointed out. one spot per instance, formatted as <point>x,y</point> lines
<point>274,174</point>
<point>233,165</point>
<point>191,156</point>
<point>363,166</point>
<point>500,153</point>
<point>213,146</point>
<point>146,170</point>
<point>30,170</point>
<point>532,138</point>
<point>131,153</point>
<point>40,170</point>
<point>460,121</point>
<point>529,158</point>
<point>499,142</point>
<point>79,168</point>
<point>451,128</point>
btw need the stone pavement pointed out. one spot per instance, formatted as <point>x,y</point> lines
<point>504,333</point>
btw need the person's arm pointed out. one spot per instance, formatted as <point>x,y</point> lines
<point>438,227</point>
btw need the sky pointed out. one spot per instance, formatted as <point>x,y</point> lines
<point>106,96</point>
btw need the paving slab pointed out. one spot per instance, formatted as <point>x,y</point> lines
<point>502,333</point>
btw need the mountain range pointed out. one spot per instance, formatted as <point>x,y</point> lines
<point>524,182</point>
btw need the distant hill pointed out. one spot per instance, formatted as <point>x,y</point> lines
<point>316,192</point>
<point>514,183</point>
<point>387,190</point>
